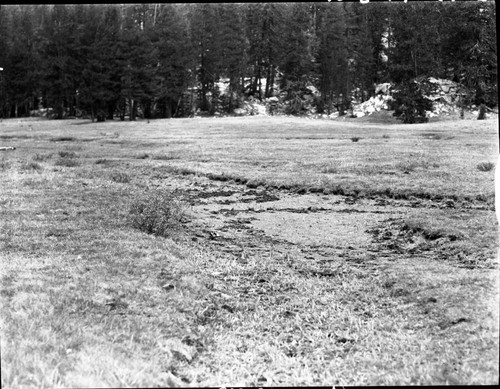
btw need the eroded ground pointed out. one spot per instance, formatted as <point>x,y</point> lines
<point>264,221</point>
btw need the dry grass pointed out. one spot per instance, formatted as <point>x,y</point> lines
<point>87,300</point>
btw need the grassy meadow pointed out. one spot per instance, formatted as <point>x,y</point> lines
<point>89,300</point>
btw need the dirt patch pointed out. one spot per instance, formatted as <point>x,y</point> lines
<point>318,229</point>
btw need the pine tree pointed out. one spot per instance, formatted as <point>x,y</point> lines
<point>332,57</point>
<point>234,51</point>
<point>176,57</point>
<point>206,35</point>
<point>60,63</point>
<point>139,61</point>
<point>98,90</point>
<point>22,57</point>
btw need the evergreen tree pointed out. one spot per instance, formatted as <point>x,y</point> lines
<point>470,49</point>
<point>22,67</point>
<point>234,52</point>
<point>176,58</point>
<point>139,61</point>
<point>332,57</point>
<point>98,90</point>
<point>60,64</point>
<point>206,35</point>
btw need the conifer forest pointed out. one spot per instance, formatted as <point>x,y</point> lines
<point>167,60</point>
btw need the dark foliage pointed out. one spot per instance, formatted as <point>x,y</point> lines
<point>166,60</point>
<point>410,103</point>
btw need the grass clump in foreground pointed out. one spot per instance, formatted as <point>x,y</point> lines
<point>486,166</point>
<point>68,162</point>
<point>157,212</point>
<point>32,166</point>
<point>120,177</point>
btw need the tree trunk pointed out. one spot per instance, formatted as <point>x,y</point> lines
<point>482,112</point>
<point>268,82</point>
<point>111,110</point>
<point>271,81</point>
<point>132,108</point>
<point>168,109</point>
<point>260,85</point>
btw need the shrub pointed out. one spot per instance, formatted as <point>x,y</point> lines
<point>165,157</point>
<point>42,157</point>
<point>330,170</point>
<point>63,139</point>
<point>157,212</point>
<point>486,166</point>
<point>120,177</point>
<point>409,101</point>
<point>67,154</point>
<point>69,162</point>
<point>32,166</point>
<point>4,164</point>
<point>482,112</point>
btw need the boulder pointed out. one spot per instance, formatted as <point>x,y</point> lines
<point>383,88</point>
<point>240,111</point>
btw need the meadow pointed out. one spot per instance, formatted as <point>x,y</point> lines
<point>250,251</point>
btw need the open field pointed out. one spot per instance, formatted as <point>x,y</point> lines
<point>299,252</point>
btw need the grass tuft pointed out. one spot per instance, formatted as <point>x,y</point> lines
<point>68,162</point>
<point>120,177</point>
<point>485,166</point>
<point>32,166</point>
<point>67,154</point>
<point>431,231</point>
<point>42,157</point>
<point>330,170</point>
<point>157,212</point>
<point>4,164</point>
<point>63,139</point>
<point>165,157</point>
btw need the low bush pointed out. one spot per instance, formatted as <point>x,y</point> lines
<point>157,212</point>
<point>67,154</point>
<point>32,166</point>
<point>63,139</point>
<point>486,166</point>
<point>165,157</point>
<point>330,170</point>
<point>68,162</point>
<point>4,164</point>
<point>120,177</point>
<point>42,157</point>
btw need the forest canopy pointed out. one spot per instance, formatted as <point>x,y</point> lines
<point>166,60</point>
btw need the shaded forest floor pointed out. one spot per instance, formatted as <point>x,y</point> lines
<point>312,252</point>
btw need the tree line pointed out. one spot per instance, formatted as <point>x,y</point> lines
<point>165,60</point>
